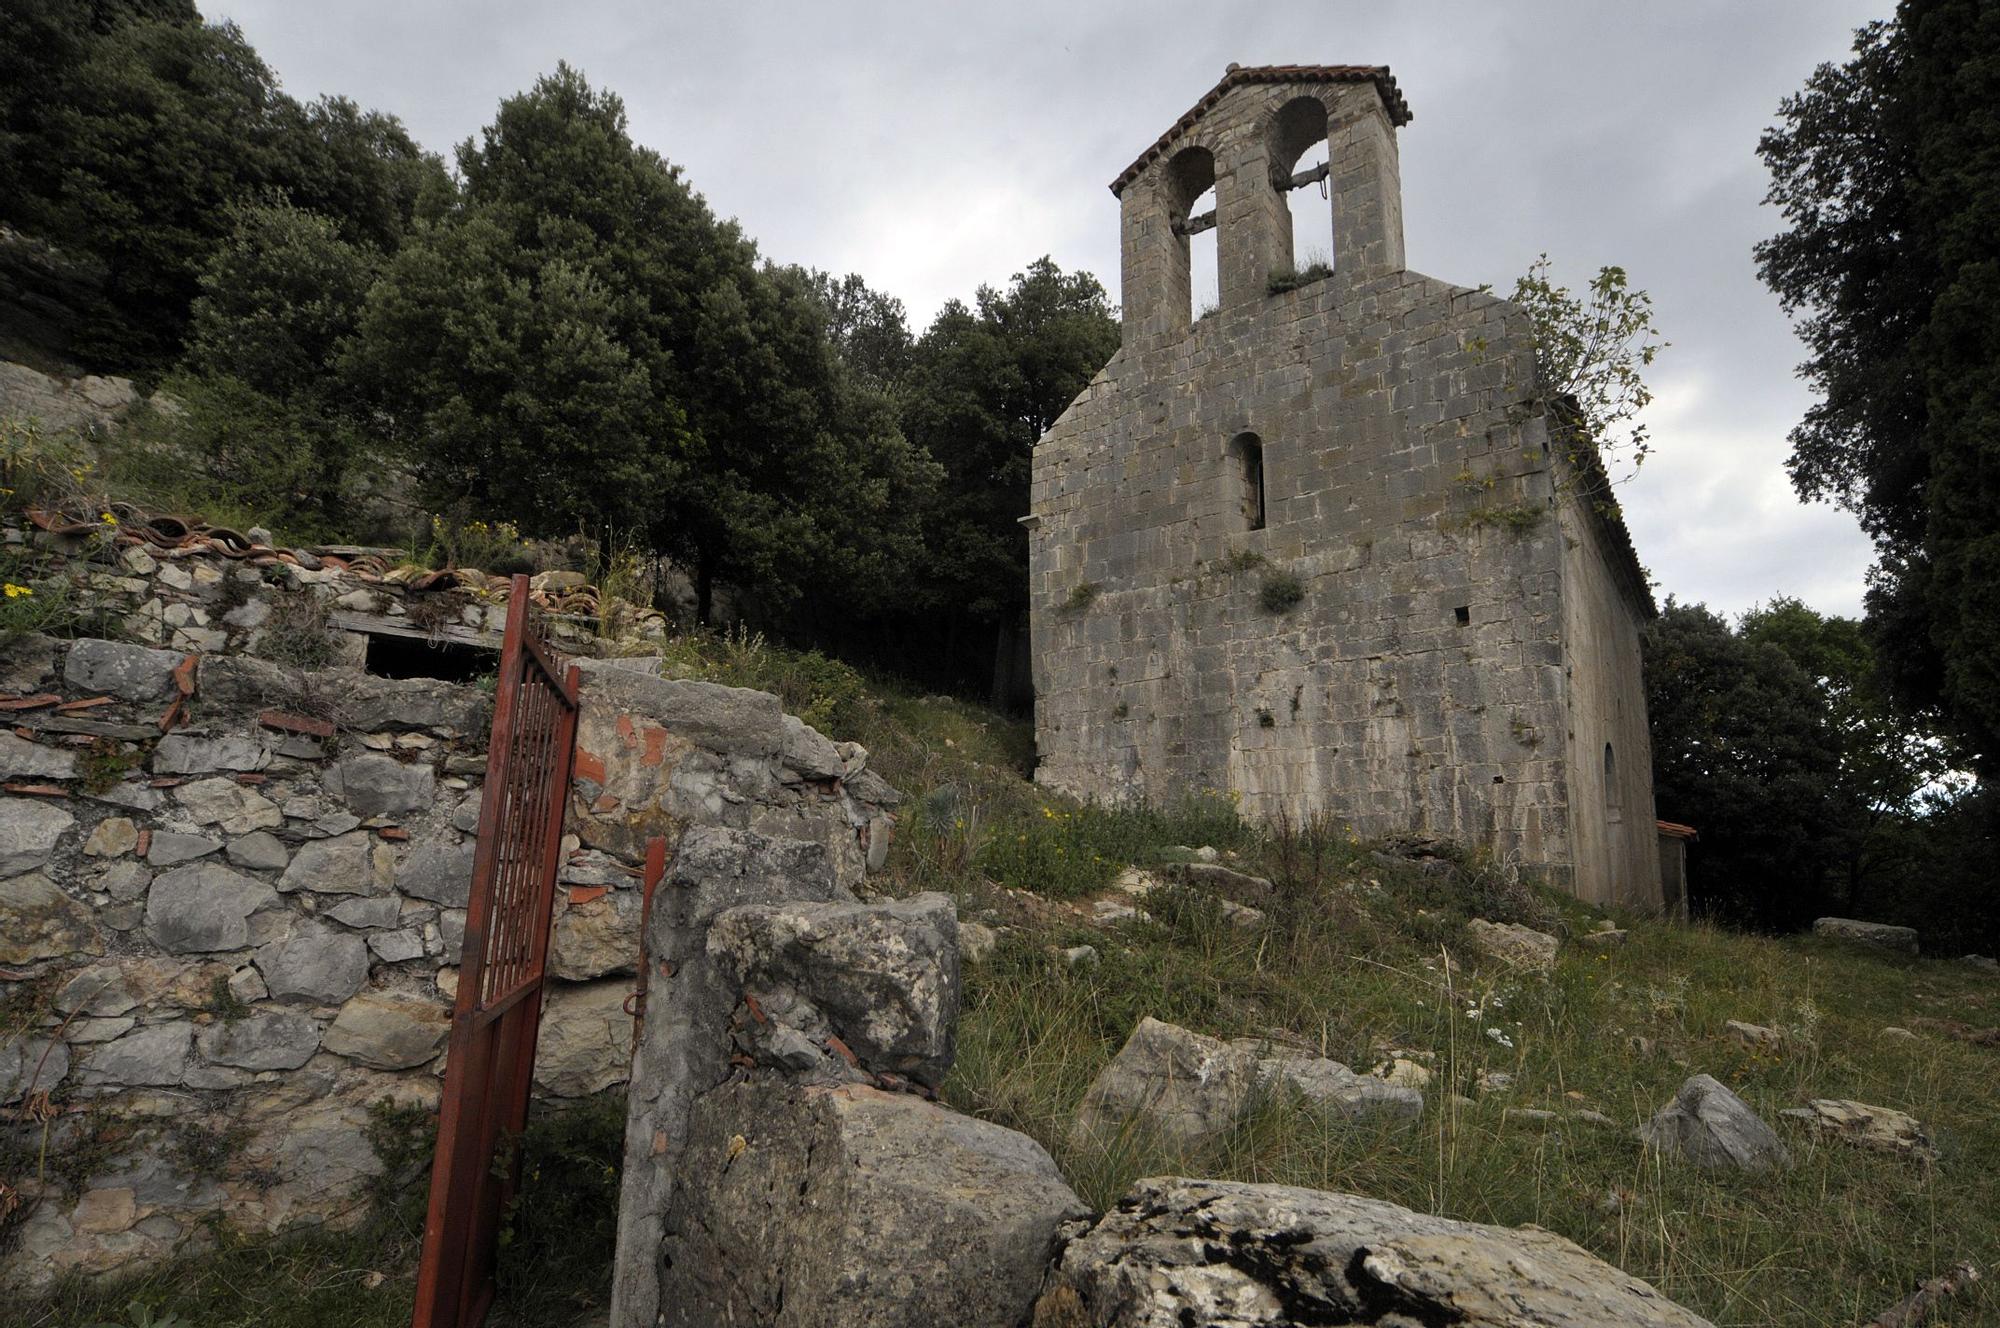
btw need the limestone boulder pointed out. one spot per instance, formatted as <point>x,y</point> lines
<point>273,1040</point>
<point>30,1065</point>
<point>29,831</point>
<point>315,965</point>
<point>1883,936</point>
<point>389,1030</point>
<point>204,907</point>
<point>1181,1087</point>
<point>355,863</point>
<point>1714,1129</point>
<point>585,1045</point>
<point>259,851</point>
<point>38,921</point>
<point>114,668</point>
<point>1180,1252</point>
<point>1513,944</point>
<point>808,753</point>
<point>845,1207</point>
<point>1883,1129</point>
<point>377,784</point>
<point>884,976</point>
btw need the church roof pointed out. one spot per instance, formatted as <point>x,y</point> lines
<point>1237,75</point>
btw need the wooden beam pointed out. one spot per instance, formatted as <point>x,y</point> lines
<point>376,624</point>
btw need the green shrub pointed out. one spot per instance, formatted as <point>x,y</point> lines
<point>1079,598</point>
<point>1280,593</point>
<point>1291,278</point>
<point>825,693</point>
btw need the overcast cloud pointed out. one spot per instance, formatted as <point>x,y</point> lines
<point>933,147</point>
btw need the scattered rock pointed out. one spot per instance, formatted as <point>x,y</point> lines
<point>975,941</point>
<point>1603,939</point>
<point>1984,963</point>
<point>1895,1034</point>
<point>892,1209</point>
<point>1180,1251</point>
<point>1714,1129</point>
<point>204,907</point>
<point>38,921</point>
<point>29,829</point>
<point>1080,956</point>
<point>1755,1036</point>
<point>316,965</point>
<point>1494,1081</point>
<point>1902,940</point>
<point>1220,879</point>
<point>1109,913</point>
<point>1513,944</point>
<point>1404,1074</point>
<point>277,1040</point>
<point>388,1030</point>
<point>1184,1087</point>
<point>1883,1129</point>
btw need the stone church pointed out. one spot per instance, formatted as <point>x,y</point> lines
<point>1333,547</point>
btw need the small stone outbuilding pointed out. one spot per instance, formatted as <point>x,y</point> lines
<point>1333,547</point>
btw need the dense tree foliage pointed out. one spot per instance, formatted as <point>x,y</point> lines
<point>1887,170</point>
<point>974,393</point>
<point>129,133</point>
<point>1814,788</point>
<point>576,343</point>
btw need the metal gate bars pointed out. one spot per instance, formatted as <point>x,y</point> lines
<point>491,1061</point>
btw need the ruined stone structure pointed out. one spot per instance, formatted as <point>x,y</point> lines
<point>1332,549</point>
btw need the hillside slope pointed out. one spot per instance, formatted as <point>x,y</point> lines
<point>1364,955</point>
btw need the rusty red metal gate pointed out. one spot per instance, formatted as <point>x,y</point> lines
<point>491,1062</point>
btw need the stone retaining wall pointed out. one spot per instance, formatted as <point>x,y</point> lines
<point>222,945</point>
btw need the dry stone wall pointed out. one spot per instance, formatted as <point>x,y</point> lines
<point>222,945</point>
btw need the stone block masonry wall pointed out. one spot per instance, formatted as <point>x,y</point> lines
<point>1315,550</point>
<point>221,946</point>
<point>1418,683</point>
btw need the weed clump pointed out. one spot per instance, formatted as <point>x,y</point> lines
<point>1280,593</point>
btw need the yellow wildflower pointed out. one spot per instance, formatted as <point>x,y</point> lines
<point>107,518</point>
<point>15,592</point>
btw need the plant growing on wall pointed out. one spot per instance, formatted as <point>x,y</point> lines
<point>1593,348</point>
<point>1280,593</point>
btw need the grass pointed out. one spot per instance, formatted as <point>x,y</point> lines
<point>1354,962</point>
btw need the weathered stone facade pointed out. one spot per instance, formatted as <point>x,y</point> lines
<point>1321,549</point>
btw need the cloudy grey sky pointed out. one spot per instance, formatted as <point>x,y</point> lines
<point>935,146</point>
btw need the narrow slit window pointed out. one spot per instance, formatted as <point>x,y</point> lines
<point>1248,454</point>
<point>1611,795</point>
<point>1463,613</point>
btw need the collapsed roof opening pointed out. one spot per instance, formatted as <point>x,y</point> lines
<point>414,657</point>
